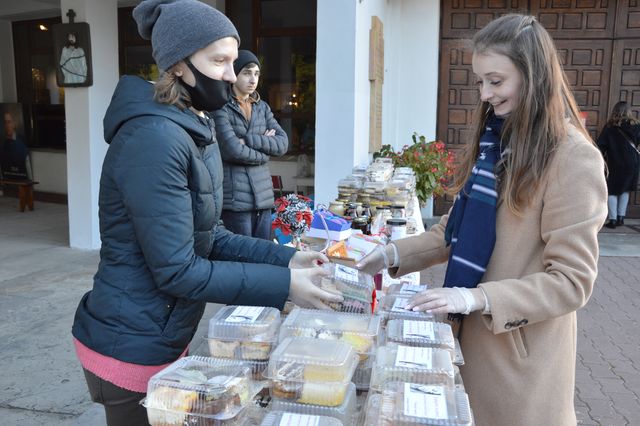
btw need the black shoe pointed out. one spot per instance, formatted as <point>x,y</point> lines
<point>611,224</point>
<point>620,221</point>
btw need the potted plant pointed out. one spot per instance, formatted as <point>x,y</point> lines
<point>430,160</point>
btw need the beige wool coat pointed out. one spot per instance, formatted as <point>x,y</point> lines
<point>520,359</point>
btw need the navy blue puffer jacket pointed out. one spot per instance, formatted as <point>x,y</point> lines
<point>247,179</point>
<point>163,254</point>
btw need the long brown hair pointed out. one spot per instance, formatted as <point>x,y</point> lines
<point>169,90</point>
<point>536,126</point>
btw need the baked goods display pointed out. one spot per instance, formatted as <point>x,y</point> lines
<point>287,418</point>
<point>421,333</point>
<point>198,390</point>
<point>356,287</point>
<point>243,332</point>
<point>311,371</point>
<point>404,404</point>
<point>392,307</point>
<point>399,363</point>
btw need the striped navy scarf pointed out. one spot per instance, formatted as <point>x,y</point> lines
<point>471,229</point>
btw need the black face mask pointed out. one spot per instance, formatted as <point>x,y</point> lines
<point>208,94</point>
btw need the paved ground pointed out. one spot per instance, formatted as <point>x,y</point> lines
<point>41,281</point>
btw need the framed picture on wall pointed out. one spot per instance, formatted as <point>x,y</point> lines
<point>72,50</point>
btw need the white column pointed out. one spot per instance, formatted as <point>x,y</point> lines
<point>84,109</point>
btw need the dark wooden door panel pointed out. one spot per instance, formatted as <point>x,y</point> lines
<point>587,65</point>
<point>628,19</point>
<point>576,19</point>
<point>463,18</point>
<point>625,86</point>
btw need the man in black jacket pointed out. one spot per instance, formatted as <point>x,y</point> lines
<point>248,136</point>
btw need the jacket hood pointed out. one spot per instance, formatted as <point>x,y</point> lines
<point>133,98</point>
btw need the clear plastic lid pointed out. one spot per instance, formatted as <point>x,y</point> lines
<point>355,286</point>
<point>301,359</point>
<point>404,404</point>
<point>287,418</point>
<point>345,412</point>
<point>201,387</point>
<point>257,368</point>
<point>362,332</point>
<point>254,323</point>
<point>392,307</point>
<point>400,363</point>
<point>421,333</point>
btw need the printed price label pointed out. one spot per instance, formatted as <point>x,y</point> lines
<point>245,314</point>
<point>424,401</point>
<point>399,304</point>
<point>418,330</point>
<point>291,419</point>
<point>411,357</point>
<point>344,273</point>
<point>412,289</point>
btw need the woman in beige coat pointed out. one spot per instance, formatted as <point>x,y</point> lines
<point>521,239</point>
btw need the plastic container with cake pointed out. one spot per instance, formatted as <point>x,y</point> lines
<point>392,307</point>
<point>199,390</point>
<point>428,334</point>
<point>362,332</point>
<point>243,332</point>
<point>288,418</point>
<point>404,404</point>
<point>346,412</point>
<point>355,286</point>
<point>400,363</point>
<point>312,371</point>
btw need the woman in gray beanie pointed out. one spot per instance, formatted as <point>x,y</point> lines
<point>164,251</point>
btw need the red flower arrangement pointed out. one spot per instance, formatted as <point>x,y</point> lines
<point>293,215</point>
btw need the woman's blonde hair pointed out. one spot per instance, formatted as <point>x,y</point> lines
<point>169,90</point>
<point>534,128</point>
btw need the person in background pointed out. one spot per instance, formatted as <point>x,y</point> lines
<point>521,239</point>
<point>14,155</point>
<point>164,254</point>
<point>618,142</point>
<point>248,136</point>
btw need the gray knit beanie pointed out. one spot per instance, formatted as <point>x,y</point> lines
<point>179,28</point>
<point>245,57</point>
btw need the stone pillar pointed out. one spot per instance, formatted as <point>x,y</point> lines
<point>84,109</point>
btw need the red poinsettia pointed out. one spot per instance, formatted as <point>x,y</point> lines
<point>293,215</point>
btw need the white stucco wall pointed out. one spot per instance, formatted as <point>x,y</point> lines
<point>50,169</point>
<point>411,31</point>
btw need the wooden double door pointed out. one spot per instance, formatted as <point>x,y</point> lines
<point>598,42</point>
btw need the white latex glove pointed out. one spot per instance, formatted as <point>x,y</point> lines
<point>307,259</point>
<point>375,261</point>
<point>448,300</point>
<point>305,294</point>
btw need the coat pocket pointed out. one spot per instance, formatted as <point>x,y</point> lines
<point>520,342</point>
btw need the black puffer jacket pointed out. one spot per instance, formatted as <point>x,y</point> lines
<point>163,254</point>
<point>622,160</point>
<point>247,179</point>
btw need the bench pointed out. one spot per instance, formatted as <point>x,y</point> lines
<point>25,191</point>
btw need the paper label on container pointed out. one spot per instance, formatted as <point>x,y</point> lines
<point>344,273</point>
<point>425,401</point>
<point>245,314</point>
<point>418,330</point>
<point>411,357</point>
<point>412,289</point>
<point>399,304</point>
<point>291,419</point>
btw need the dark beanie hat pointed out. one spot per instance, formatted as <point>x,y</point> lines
<point>179,28</point>
<point>245,58</point>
